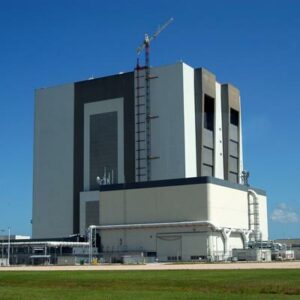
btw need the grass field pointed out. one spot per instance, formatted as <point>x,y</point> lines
<point>192,284</point>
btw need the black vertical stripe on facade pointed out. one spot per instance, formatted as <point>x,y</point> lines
<point>204,84</point>
<point>225,126</point>
<point>198,116</point>
<point>116,86</point>
<point>227,100</point>
<point>103,146</point>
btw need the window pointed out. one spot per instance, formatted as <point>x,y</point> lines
<point>174,258</point>
<point>234,117</point>
<point>197,257</point>
<point>209,109</point>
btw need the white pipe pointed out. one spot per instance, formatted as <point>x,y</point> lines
<point>166,224</point>
<point>245,236</point>
<point>48,244</point>
<point>226,235</point>
<point>153,225</point>
<point>256,229</point>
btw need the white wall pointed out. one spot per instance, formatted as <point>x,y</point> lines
<point>235,241</point>
<point>172,241</point>
<point>189,122</point>
<point>225,207</point>
<point>228,207</point>
<point>53,162</point>
<point>167,131</point>
<point>216,243</point>
<point>218,137</point>
<point>194,243</point>
<point>173,133</point>
<point>161,204</point>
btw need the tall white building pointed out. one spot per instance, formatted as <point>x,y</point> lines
<point>176,132</point>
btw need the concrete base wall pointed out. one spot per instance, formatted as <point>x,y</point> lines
<point>222,205</point>
<point>208,220</point>
<point>171,244</point>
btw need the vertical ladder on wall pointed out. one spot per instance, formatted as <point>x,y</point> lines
<point>143,118</point>
<point>140,125</point>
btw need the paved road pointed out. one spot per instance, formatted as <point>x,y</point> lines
<point>161,266</point>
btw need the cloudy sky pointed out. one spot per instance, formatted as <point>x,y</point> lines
<point>255,45</point>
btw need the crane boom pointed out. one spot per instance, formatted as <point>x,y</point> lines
<point>161,28</point>
<point>148,38</point>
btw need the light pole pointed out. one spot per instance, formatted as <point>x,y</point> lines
<point>8,248</point>
<point>2,230</point>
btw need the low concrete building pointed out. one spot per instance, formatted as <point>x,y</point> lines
<point>292,244</point>
<point>44,252</point>
<point>184,219</point>
<point>252,254</point>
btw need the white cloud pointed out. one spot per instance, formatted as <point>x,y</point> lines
<point>284,214</point>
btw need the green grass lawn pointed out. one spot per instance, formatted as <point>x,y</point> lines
<point>193,284</point>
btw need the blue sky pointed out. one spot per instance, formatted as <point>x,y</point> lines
<point>255,45</point>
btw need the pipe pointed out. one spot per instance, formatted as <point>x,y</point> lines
<point>245,236</point>
<point>153,225</point>
<point>226,232</point>
<point>48,244</point>
<point>165,224</point>
<point>255,213</point>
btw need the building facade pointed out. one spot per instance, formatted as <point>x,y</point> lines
<point>106,131</point>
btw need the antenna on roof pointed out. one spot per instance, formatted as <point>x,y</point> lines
<point>108,177</point>
<point>245,176</point>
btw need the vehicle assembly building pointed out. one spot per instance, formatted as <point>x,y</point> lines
<point>150,160</point>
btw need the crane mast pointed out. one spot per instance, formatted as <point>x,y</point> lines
<point>143,115</point>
